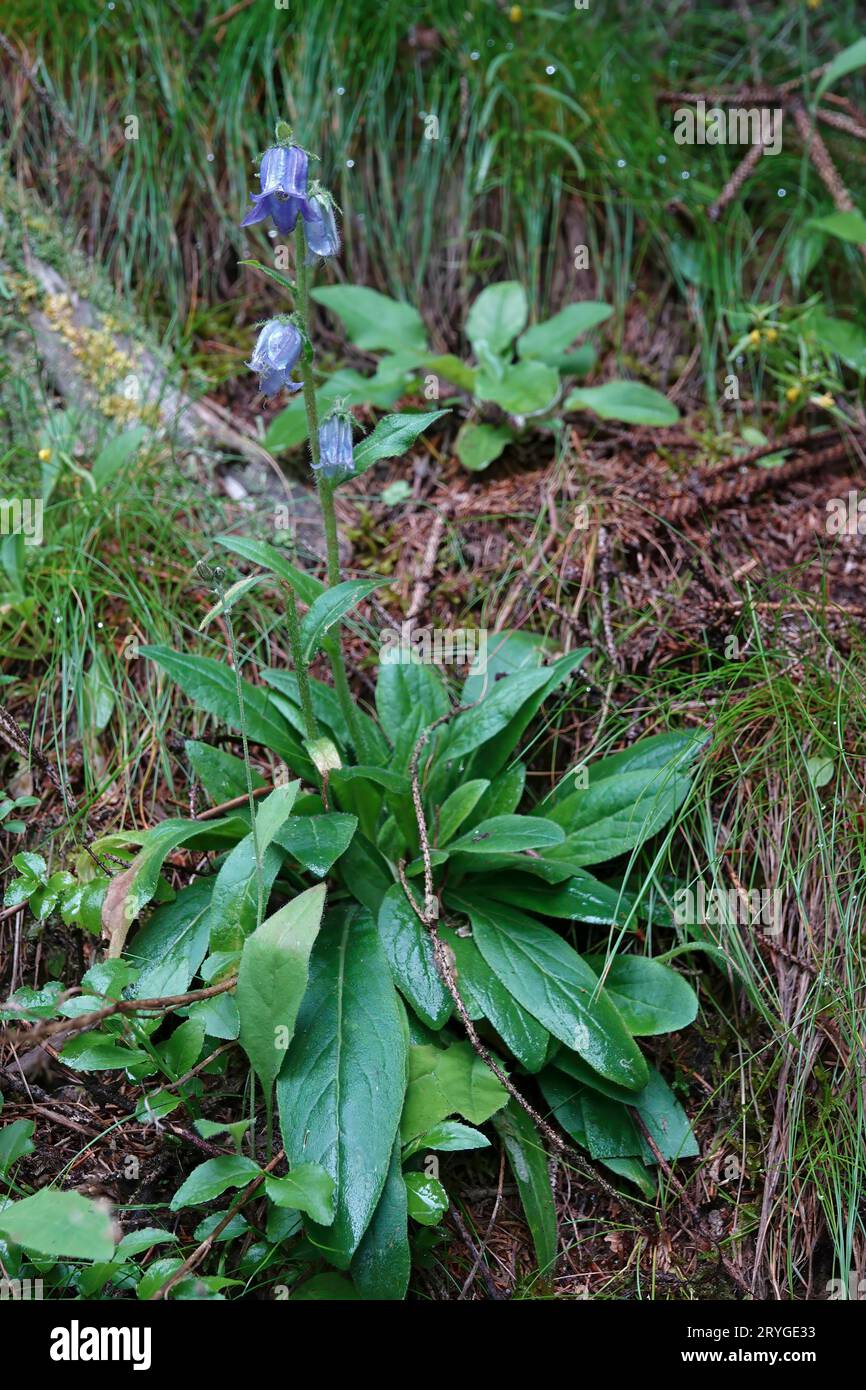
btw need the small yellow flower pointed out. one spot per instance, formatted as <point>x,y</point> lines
<point>813,4</point>
<point>755,336</point>
<point>771,335</point>
<point>44,455</point>
<point>515,14</point>
<point>825,402</point>
<point>793,394</point>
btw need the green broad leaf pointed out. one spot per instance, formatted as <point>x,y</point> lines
<point>452,368</point>
<point>213,1177</point>
<point>448,1137</point>
<point>231,596</point>
<point>372,320</point>
<point>330,608</point>
<point>851,58</point>
<point>317,842</point>
<point>616,813</point>
<point>580,898</point>
<point>211,686</point>
<point>83,905</point>
<point>457,807</point>
<point>117,454</point>
<point>410,957</point>
<point>508,835</point>
<point>393,435</point>
<point>330,1288</point>
<point>134,1242</point>
<point>382,1263</point>
<point>847,226</point>
<point>326,703</point>
<point>447,1081</point>
<point>182,1050</point>
<point>29,1003</point>
<point>552,982</point>
<point>529,1164</point>
<point>16,1140</point>
<point>96,1052</point>
<point>272,980</point>
<point>234,905</point>
<point>650,997</point>
<point>63,1225</point>
<point>269,557</point>
<point>219,1016</point>
<point>526,388</point>
<point>307,1188</point>
<point>222,775</point>
<point>629,401</point>
<point>426,1199</point>
<point>549,340</point>
<point>486,997</point>
<point>342,1084</point>
<point>480,445</point>
<point>847,340</point>
<point>498,315</point>
<point>31,866</point>
<point>170,948</point>
<point>610,1130</point>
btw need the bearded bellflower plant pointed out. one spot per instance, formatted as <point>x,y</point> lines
<point>451,983</point>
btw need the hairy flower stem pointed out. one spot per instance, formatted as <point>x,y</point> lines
<point>326,491</point>
<point>243,723</point>
<point>300,664</point>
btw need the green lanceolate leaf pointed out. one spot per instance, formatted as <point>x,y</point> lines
<point>172,945</point>
<point>402,690</point>
<point>488,997</point>
<point>306,586</point>
<point>566,1108</point>
<point>410,956</point>
<point>457,807</point>
<point>234,908</point>
<point>508,835</point>
<point>580,898</point>
<point>558,988</point>
<point>529,1164</point>
<point>329,609</point>
<point>549,340</point>
<point>343,1081</point>
<point>393,435</point>
<point>232,595</point>
<point>650,997</point>
<point>211,686</point>
<point>222,775</point>
<point>382,1262</point>
<point>272,980</point>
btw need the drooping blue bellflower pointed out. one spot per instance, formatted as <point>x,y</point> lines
<point>283,178</point>
<point>335,444</point>
<point>320,225</point>
<point>275,354</point>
